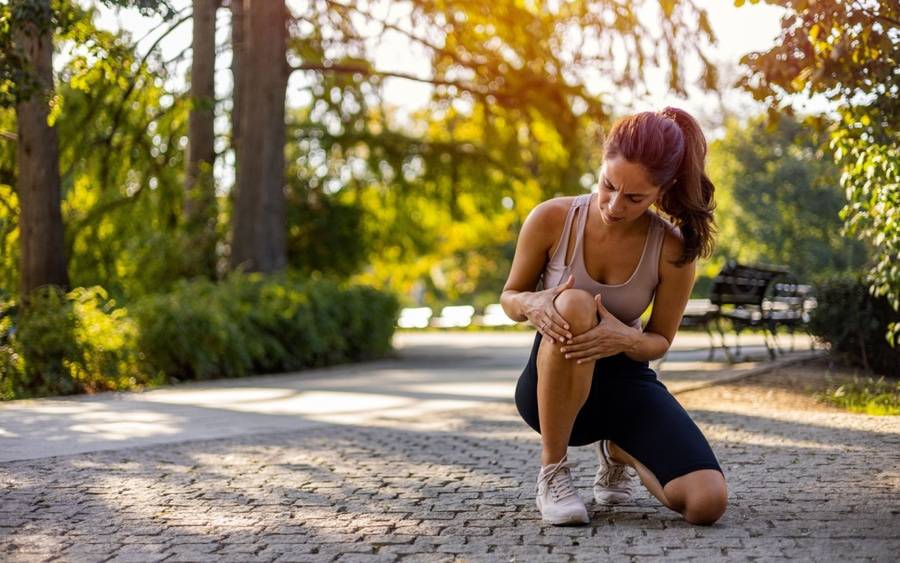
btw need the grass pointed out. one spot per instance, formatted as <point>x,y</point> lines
<point>865,395</point>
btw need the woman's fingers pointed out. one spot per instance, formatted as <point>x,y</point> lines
<point>548,329</point>
<point>579,347</point>
<point>587,360</point>
<point>584,338</point>
<point>555,332</point>
<point>579,354</point>
<point>561,323</point>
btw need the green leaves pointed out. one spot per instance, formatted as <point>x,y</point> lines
<point>779,200</point>
<point>849,53</point>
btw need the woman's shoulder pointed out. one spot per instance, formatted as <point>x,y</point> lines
<point>673,241</point>
<point>551,212</point>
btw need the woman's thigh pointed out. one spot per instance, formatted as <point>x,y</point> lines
<point>646,421</point>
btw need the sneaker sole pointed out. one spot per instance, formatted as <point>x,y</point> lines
<point>574,521</point>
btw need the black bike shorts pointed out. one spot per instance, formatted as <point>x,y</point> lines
<point>630,406</point>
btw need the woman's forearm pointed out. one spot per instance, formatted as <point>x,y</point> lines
<point>513,304</point>
<point>647,347</point>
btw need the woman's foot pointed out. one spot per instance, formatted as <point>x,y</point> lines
<point>557,498</point>
<point>615,482</point>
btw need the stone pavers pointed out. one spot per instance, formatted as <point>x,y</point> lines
<point>456,487</point>
<point>401,482</point>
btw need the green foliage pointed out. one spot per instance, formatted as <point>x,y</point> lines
<point>9,219</point>
<point>122,138</point>
<point>69,343</point>
<point>848,53</point>
<point>253,324</point>
<point>45,333</point>
<point>324,234</point>
<point>778,200</point>
<point>510,124</point>
<point>83,342</point>
<point>17,81</point>
<point>865,395</point>
<point>854,322</point>
<point>872,184</point>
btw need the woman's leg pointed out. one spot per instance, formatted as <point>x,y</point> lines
<point>563,385</point>
<point>700,496</point>
<point>650,431</point>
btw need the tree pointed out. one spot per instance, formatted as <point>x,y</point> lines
<point>237,62</point>
<point>26,53</point>
<point>200,189</point>
<point>510,122</point>
<point>778,199</point>
<point>849,53</point>
<point>259,239</point>
<point>43,261</point>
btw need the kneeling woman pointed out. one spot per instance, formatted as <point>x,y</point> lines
<point>584,271</point>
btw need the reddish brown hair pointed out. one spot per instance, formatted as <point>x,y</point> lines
<point>671,147</point>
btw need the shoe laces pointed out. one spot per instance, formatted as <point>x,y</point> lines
<point>611,473</point>
<point>614,474</point>
<point>559,481</point>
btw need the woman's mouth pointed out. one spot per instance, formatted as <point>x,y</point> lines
<point>611,219</point>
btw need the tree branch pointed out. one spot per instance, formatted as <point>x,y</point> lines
<point>351,69</point>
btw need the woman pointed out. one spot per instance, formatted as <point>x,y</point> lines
<point>584,271</point>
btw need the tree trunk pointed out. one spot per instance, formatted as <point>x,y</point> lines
<point>237,64</point>
<point>43,258</point>
<point>258,239</point>
<point>200,189</point>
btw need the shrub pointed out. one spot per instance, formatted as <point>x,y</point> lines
<point>69,343</point>
<point>82,342</point>
<point>855,323</point>
<point>256,324</point>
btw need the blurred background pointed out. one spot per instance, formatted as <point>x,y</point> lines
<point>172,166</point>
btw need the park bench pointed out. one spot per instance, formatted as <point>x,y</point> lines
<point>751,296</point>
<point>454,316</point>
<point>414,317</point>
<point>494,315</point>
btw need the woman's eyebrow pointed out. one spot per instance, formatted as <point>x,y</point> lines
<point>632,193</point>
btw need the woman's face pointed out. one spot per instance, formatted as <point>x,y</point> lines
<point>625,191</point>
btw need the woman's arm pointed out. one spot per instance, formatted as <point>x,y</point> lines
<point>528,262</point>
<point>672,294</point>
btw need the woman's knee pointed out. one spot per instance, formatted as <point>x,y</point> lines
<point>706,503</point>
<point>577,306</point>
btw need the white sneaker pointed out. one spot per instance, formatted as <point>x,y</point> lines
<point>557,498</point>
<point>614,482</point>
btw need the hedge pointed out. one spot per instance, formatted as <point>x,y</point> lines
<point>84,342</point>
<point>855,323</point>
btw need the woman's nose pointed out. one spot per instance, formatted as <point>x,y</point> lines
<point>615,202</point>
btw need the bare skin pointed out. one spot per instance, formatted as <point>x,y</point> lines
<point>700,496</point>
<point>616,227</point>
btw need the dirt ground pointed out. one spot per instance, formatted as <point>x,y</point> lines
<point>790,387</point>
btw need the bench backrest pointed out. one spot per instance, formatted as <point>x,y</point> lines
<point>740,284</point>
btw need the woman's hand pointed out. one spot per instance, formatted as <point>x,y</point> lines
<point>608,338</point>
<point>540,310</point>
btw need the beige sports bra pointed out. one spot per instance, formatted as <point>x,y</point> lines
<point>628,300</point>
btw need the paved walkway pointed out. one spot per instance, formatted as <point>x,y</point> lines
<point>418,458</point>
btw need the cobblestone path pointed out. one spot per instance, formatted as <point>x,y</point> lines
<point>457,487</point>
